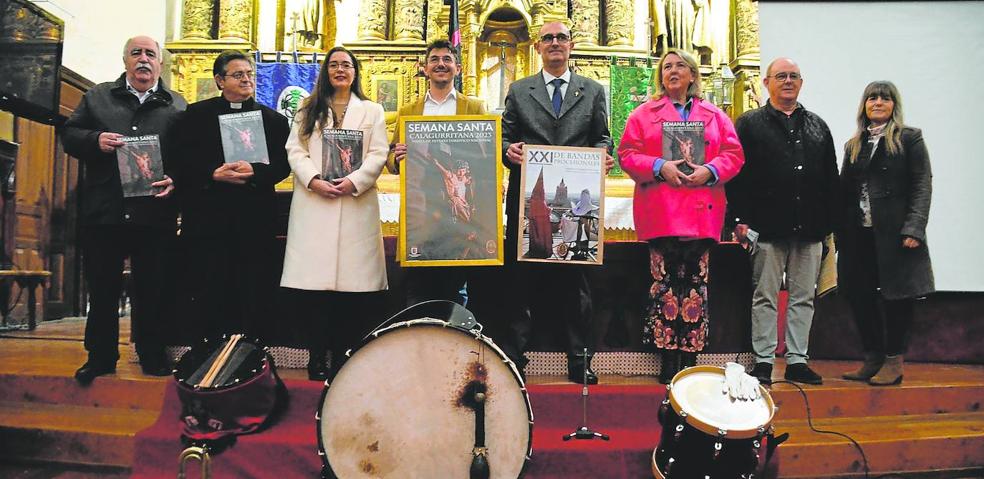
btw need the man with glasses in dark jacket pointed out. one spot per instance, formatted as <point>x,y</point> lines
<point>782,202</point>
<point>116,227</point>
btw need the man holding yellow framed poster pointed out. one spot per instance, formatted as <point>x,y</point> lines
<point>451,210</point>
<point>449,183</point>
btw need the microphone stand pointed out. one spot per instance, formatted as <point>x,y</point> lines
<point>584,432</point>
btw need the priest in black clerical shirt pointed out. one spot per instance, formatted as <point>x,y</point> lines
<point>228,205</point>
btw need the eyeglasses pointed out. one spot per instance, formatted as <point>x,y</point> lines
<point>561,38</point>
<point>241,75</point>
<point>783,76</point>
<point>434,59</point>
<point>340,66</point>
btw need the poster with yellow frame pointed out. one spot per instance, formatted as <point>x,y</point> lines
<point>451,191</point>
<point>563,204</point>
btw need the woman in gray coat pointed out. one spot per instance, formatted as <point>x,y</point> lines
<point>886,186</point>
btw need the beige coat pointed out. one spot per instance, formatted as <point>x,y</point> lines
<point>337,244</point>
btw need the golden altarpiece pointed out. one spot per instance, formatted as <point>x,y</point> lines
<point>389,38</point>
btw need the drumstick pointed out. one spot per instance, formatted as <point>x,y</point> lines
<point>220,361</point>
<point>210,374</point>
<point>224,358</point>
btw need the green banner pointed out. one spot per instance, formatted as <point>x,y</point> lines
<point>631,86</point>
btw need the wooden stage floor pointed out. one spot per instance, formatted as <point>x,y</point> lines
<point>931,426</point>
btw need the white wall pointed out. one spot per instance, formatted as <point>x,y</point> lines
<point>95,32</point>
<point>934,53</point>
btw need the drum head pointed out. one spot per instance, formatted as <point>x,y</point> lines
<point>244,361</point>
<point>398,407</point>
<point>698,392</point>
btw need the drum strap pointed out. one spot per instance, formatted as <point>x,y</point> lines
<point>480,462</point>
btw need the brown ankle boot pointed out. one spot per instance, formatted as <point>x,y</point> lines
<point>890,372</point>
<point>872,363</point>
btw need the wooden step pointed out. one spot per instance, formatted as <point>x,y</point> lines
<point>926,389</point>
<point>60,471</point>
<point>959,473</point>
<point>70,434</point>
<point>110,391</point>
<point>842,399</point>
<point>920,442</point>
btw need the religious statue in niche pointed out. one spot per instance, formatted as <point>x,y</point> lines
<point>315,26</point>
<point>684,24</point>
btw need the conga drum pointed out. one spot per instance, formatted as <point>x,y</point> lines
<point>403,406</point>
<point>706,433</point>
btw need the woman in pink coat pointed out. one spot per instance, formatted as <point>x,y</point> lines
<point>678,204</point>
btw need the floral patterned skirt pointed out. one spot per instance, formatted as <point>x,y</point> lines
<point>677,316</point>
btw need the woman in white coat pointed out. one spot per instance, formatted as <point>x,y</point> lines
<point>335,262</point>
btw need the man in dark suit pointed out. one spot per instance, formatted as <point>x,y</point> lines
<point>141,227</point>
<point>228,210</point>
<point>553,107</point>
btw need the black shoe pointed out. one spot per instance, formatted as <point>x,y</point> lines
<point>687,360</point>
<point>576,374</point>
<point>763,372</point>
<point>92,369</point>
<point>317,367</point>
<point>801,373</point>
<point>156,368</point>
<point>669,365</point>
<point>154,361</point>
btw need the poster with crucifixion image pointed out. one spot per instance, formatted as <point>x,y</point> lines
<point>451,191</point>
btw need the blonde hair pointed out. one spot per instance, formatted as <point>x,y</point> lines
<point>694,89</point>
<point>893,129</point>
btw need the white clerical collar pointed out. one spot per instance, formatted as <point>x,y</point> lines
<point>451,96</point>
<point>547,78</point>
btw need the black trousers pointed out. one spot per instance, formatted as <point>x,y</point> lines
<point>883,324</point>
<point>335,321</point>
<point>439,282</point>
<point>233,285</point>
<point>105,247</point>
<point>523,292</point>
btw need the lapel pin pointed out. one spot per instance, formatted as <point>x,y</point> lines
<point>576,93</point>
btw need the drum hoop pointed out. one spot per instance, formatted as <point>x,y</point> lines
<point>265,363</point>
<point>656,472</point>
<point>475,333</point>
<point>713,430</point>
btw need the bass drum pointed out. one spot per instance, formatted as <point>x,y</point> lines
<point>401,406</point>
<point>708,434</point>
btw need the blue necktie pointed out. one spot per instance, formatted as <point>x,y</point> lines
<point>557,98</point>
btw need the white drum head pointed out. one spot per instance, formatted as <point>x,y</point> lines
<point>698,392</point>
<point>395,409</point>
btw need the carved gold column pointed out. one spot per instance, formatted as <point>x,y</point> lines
<point>373,18</point>
<point>541,12</point>
<point>620,27</point>
<point>197,19</point>
<point>470,30</point>
<point>748,91</point>
<point>236,20</point>
<point>435,19</point>
<point>408,21</point>
<point>586,22</point>
<point>746,13</point>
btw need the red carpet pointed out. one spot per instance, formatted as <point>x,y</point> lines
<point>289,448</point>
